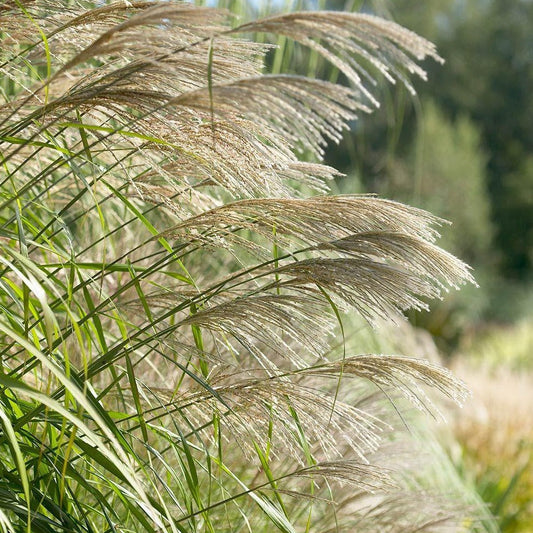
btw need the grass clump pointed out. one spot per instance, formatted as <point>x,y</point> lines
<point>169,294</point>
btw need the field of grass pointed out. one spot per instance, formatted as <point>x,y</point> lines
<point>495,432</point>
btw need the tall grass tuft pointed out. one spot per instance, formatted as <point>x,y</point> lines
<point>173,275</point>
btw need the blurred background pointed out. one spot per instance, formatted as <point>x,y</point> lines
<point>463,149</point>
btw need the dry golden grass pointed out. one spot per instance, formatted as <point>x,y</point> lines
<point>495,431</point>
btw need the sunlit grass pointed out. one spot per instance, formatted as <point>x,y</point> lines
<point>177,315</point>
<point>510,346</point>
<point>495,437</point>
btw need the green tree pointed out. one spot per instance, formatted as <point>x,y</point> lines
<point>494,90</point>
<point>445,173</point>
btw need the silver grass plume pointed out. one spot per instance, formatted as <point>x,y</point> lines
<point>179,290</point>
<point>388,47</point>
